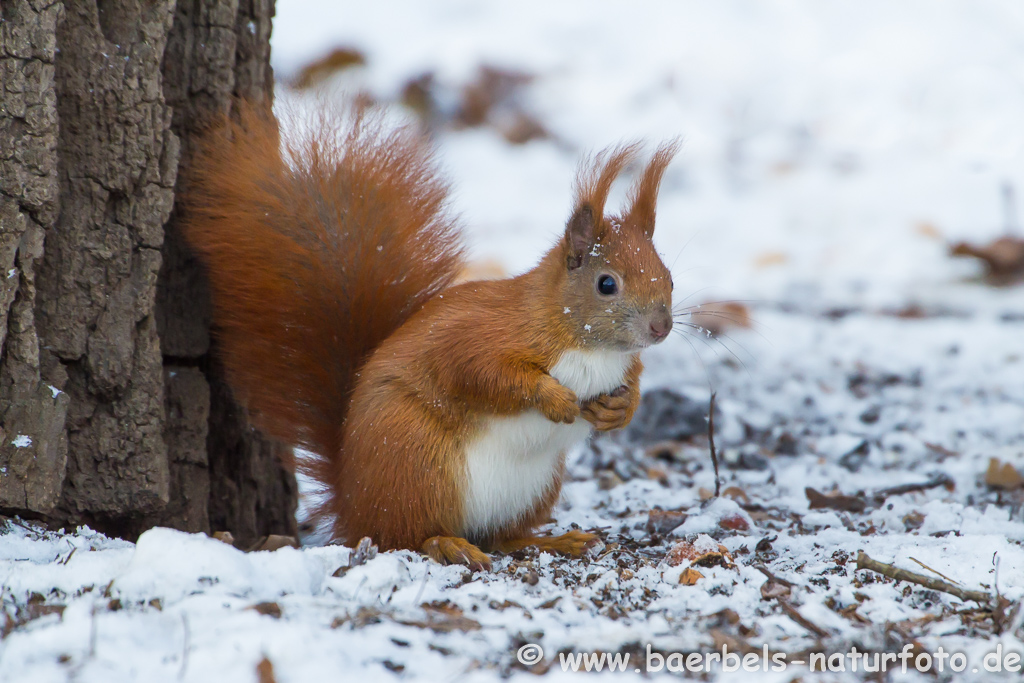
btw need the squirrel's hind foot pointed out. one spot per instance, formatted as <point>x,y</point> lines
<point>454,550</point>
<point>574,544</point>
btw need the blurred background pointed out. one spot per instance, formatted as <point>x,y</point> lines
<point>834,152</point>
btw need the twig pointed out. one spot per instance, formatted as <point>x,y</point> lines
<point>70,555</point>
<point>894,572</point>
<point>793,614</point>
<point>941,480</point>
<point>938,573</point>
<point>711,442</point>
<point>771,577</point>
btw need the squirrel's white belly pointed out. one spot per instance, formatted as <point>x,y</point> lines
<point>514,461</point>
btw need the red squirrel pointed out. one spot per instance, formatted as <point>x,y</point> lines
<point>440,414</point>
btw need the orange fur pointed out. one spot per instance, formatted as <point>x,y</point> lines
<point>330,268</point>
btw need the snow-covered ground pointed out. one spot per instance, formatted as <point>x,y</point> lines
<point>832,151</point>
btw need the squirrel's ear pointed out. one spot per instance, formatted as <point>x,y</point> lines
<point>580,234</point>
<point>643,197</point>
<point>593,181</point>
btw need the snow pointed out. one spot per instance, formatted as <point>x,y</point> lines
<point>22,441</point>
<point>831,152</point>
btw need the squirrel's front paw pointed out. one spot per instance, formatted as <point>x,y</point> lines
<point>556,402</point>
<point>610,411</point>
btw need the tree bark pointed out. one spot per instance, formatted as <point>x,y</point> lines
<point>111,411</point>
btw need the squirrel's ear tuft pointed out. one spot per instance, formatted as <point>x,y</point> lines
<point>580,234</point>
<point>593,181</point>
<point>643,197</point>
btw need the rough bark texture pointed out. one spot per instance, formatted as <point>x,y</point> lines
<point>110,411</point>
<point>218,52</point>
<point>33,442</point>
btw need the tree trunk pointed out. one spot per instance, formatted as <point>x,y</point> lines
<point>111,412</point>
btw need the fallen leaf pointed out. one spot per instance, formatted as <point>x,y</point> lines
<point>736,493</point>
<point>265,671</point>
<point>548,604</point>
<point>704,552</point>
<point>320,70</point>
<point>1003,258</point>
<point>274,542</point>
<point>663,521</point>
<point>418,95</point>
<point>913,520</point>
<point>735,522</point>
<point>268,609</point>
<point>690,577</point>
<point>658,474</point>
<point>835,501</point>
<point>607,480</point>
<point>716,317</point>
<point>1002,475</point>
<point>681,552</point>
<point>224,537</point>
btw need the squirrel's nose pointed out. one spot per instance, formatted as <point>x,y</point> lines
<point>661,326</point>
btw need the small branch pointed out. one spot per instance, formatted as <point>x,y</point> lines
<point>894,572</point>
<point>941,480</point>
<point>933,571</point>
<point>711,442</point>
<point>793,614</point>
<point>771,577</point>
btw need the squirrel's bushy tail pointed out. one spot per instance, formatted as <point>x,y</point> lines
<point>317,249</point>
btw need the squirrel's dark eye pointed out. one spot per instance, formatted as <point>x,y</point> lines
<point>606,285</point>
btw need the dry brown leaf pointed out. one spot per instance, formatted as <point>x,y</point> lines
<point>736,493</point>
<point>336,60</point>
<point>1002,475</point>
<point>663,521</point>
<point>265,671</point>
<point>681,552</point>
<point>699,554</point>
<point>690,577</point>
<point>834,501</point>
<point>658,474</point>
<point>224,537</point>
<point>735,522</point>
<point>418,95</point>
<point>1003,258</point>
<point>269,609</point>
<point>275,542</point>
<point>913,520</point>
<point>716,317</point>
<point>492,87</point>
